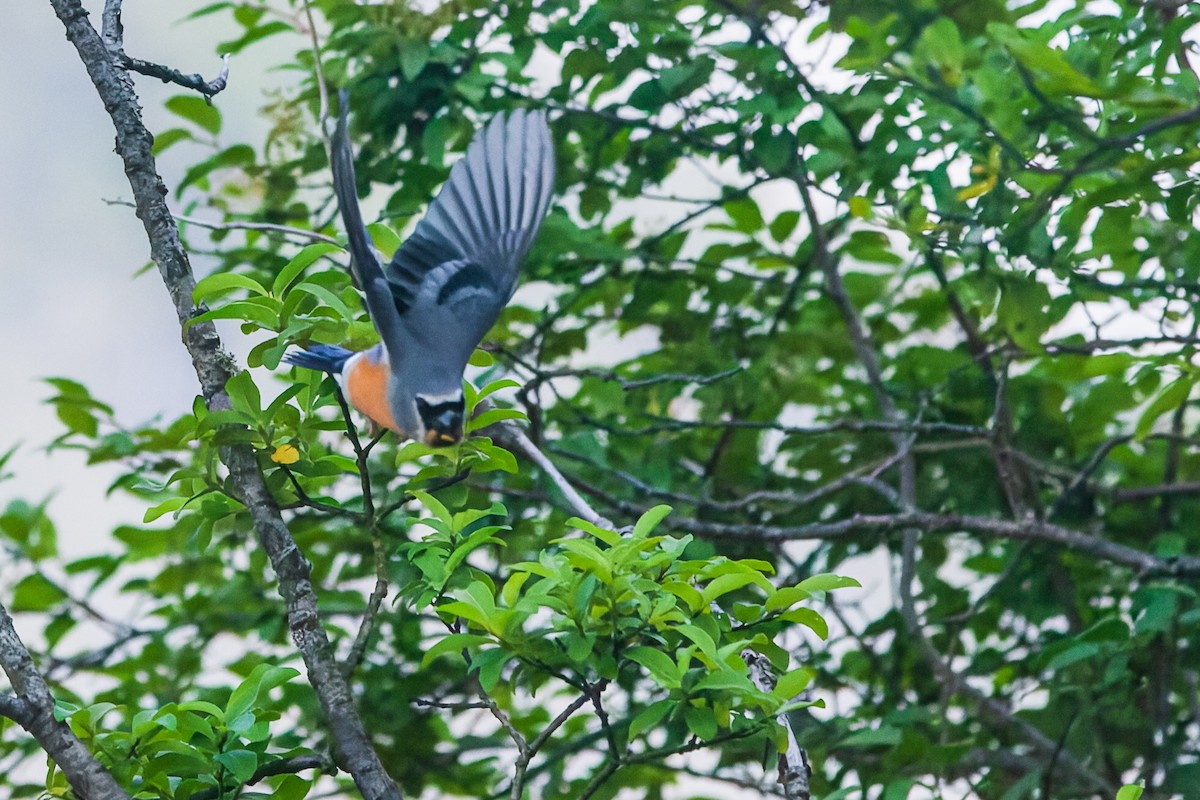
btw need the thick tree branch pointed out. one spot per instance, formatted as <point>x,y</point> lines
<point>15,708</point>
<point>213,367</point>
<point>33,709</point>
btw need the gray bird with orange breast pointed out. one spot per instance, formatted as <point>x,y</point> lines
<point>448,282</point>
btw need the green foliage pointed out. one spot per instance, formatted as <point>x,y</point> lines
<point>1004,201</point>
<point>185,749</point>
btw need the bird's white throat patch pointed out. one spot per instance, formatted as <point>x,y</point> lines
<point>438,399</point>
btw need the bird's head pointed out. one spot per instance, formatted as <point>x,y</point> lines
<point>440,419</point>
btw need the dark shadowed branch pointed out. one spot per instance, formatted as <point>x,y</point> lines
<point>282,766</point>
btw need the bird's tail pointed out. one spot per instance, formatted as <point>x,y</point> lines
<point>324,357</point>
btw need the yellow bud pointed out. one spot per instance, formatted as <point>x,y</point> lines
<point>285,454</point>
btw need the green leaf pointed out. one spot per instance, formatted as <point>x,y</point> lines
<point>492,416</point>
<point>650,520</point>
<point>808,617</point>
<point>1022,311</point>
<point>165,507</point>
<point>661,667</point>
<point>434,506</point>
<point>414,55</point>
<point>1130,791</point>
<point>700,721</point>
<point>726,680</point>
<point>196,110</point>
<point>224,283</point>
<point>496,386</point>
<point>386,240</point>
<point>793,683</point>
<point>327,297</point>
<point>262,679</point>
<point>1172,396</point>
<point>745,215</point>
<point>36,593</point>
<point>244,394</point>
<point>726,583</point>
<point>241,763</point>
<point>649,717</point>
<point>785,598</point>
<point>454,643</point>
<point>165,139</point>
<point>884,736</point>
<point>826,582</point>
<point>1074,654</point>
<point>300,262</point>
<point>292,787</point>
<point>247,310</point>
<point>784,223</point>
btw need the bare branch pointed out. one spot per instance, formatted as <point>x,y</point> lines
<point>266,227</point>
<point>194,81</point>
<point>516,438</point>
<point>1029,529</point>
<point>15,708</point>
<point>113,30</point>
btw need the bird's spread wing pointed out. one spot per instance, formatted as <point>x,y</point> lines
<point>453,276</point>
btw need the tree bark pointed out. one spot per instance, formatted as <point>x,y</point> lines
<point>213,368</point>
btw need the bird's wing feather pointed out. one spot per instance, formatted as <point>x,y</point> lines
<point>453,276</point>
<point>364,263</point>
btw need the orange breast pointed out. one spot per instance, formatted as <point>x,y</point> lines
<point>366,384</point>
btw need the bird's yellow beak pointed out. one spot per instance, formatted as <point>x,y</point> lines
<point>436,438</point>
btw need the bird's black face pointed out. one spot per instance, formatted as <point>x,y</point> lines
<point>442,421</point>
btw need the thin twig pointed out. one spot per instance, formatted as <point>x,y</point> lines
<point>266,227</point>
<point>194,81</point>
<point>518,440</point>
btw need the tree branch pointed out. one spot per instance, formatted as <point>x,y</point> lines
<point>194,81</point>
<point>1029,529</point>
<point>794,770</point>
<point>265,227</point>
<point>15,708</point>
<point>515,438</point>
<point>33,709</point>
<point>282,766</point>
<point>213,367</point>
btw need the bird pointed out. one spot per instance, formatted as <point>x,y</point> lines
<point>447,283</point>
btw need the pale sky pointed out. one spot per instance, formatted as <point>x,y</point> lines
<point>69,304</point>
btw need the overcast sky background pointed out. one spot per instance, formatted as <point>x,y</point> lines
<point>69,302</point>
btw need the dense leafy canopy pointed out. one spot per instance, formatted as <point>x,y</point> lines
<point>930,301</point>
